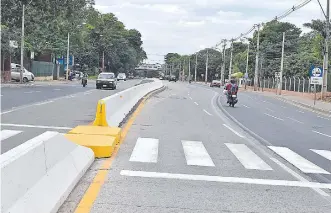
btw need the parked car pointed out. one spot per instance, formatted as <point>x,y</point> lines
<point>121,76</point>
<point>16,73</point>
<point>215,83</point>
<point>106,80</point>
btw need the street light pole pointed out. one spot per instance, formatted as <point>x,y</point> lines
<point>326,54</point>
<point>189,68</point>
<point>230,68</point>
<point>206,74</point>
<point>223,65</point>
<point>246,72</point>
<point>103,61</point>
<point>68,56</point>
<point>196,65</point>
<point>22,46</point>
<point>256,75</point>
<point>280,86</point>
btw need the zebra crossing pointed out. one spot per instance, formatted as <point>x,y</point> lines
<point>146,150</point>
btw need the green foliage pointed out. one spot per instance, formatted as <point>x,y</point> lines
<point>301,51</point>
<point>48,22</point>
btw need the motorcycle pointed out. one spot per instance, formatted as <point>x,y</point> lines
<point>84,82</point>
<point>232,100</point>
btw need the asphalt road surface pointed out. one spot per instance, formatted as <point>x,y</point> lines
<point>183,154</point>
<point>55,108</point>
<point>284,125</point>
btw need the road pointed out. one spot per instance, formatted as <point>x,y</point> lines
<point>284,125</point>
<point>54,108</point>
<point>183,154</point>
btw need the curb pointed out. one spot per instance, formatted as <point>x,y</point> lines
<point>297,103</point>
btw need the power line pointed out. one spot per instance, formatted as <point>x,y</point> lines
<point>277,18</point>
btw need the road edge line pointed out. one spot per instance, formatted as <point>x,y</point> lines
<point>86,203</point>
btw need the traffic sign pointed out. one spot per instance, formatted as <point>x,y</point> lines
<point>316,75</point>
<point>246,75</point>
<point>316,80</point>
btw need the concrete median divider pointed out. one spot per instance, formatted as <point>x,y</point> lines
<point>38,175</point>
<point>105,134</point>
<point>113,109</point>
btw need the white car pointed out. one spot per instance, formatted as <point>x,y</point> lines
<point>106,80</point>
<point>121,76</point>
<point>16,73</point>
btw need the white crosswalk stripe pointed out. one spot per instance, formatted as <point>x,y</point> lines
<point>247,157</point>
<point>8,133</point>
<point>298,161</point>
<point>145,150</point>
<point>324,153</point>
<point>196,154</point>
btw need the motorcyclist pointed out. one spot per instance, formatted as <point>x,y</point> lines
<point>232,89</point>
<point>84,78</point>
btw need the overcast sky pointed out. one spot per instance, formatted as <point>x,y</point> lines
<point>186,26</point>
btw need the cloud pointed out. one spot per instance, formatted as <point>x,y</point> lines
<point>186,26</point>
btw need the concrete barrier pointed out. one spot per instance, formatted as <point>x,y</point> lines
<point>113,109</point>
<point>38,175</point>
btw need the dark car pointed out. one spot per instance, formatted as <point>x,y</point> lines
<point>173,78</point>
<point>106,80</point>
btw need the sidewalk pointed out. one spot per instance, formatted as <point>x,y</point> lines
<point>35,83</point>
<point>301,99</point>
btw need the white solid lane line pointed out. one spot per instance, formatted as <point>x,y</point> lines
<point>196,154</point>
<point>207,112</point>
<point>274,117</point>
<point>295,120</point>
<point>196,103</point>
<point>270,110</point>
<point>247,157</point>
<point>145,150</point>
<point>220,179</point>
<point>42,103</point>
<point>37,126</point>
<point>235,132</point>
<point>8,133</point>
<point>322,134</point>
<point>323,153</point>
<point>298,161</point>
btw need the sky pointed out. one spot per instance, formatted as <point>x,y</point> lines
<point>187,26</point>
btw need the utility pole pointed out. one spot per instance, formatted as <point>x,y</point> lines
<point>103,61</point>
<point>280,86</point>
<point>256,75</point>
<point>189,68</point>
<point>196,65</point>
<point>230,68</point>
<point>68,56</point>
<point>22,46</point>
<point>326,63</point>
<point>206,74</point>
<point>246,72</point>
<point>223,65</point>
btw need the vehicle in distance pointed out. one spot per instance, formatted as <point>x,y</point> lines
<point>173,78</point>
<point>215,83</point>
<point>16,73</point>
<point>106,80</point>
<point>121,76</point>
